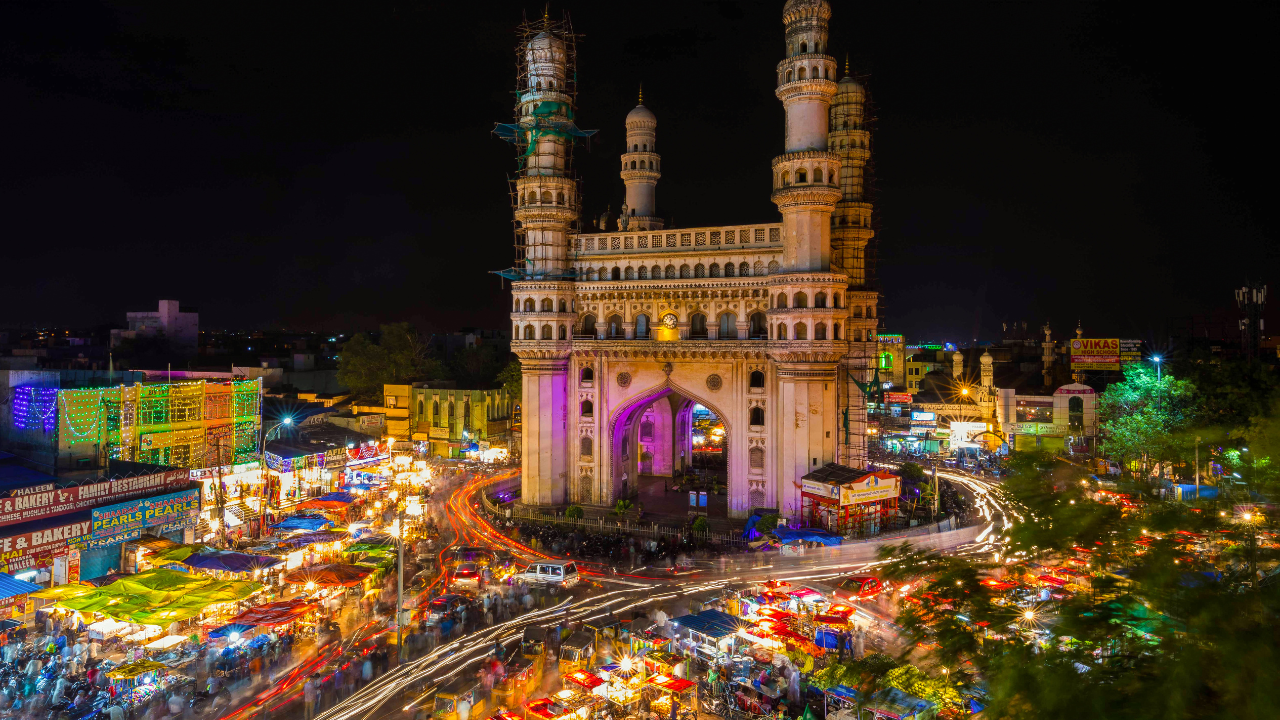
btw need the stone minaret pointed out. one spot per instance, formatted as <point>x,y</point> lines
<point>546,209</point>
<point>849,138</point>
<point>805,177</point>
<point>851,141</point>
<point>641,168</point>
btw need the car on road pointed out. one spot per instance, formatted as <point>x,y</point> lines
<point>466,575</point>
<point>859,587</point>
<point>551,572</point>
<point>443,606</point>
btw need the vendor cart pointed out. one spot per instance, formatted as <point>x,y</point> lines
<point>609,636</point>
<point>542,709</point>
<point>662,690</point>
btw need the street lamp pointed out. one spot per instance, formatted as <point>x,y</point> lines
<point>1157,359</point>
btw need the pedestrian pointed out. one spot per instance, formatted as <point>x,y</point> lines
<point>339,683</point>
<point>366,671</point>
<point>309,698</point>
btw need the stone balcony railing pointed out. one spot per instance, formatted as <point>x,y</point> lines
<point>724,237</point>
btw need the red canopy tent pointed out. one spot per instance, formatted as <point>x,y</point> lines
<point>276,613</point>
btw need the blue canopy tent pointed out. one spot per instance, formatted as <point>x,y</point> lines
<point>715,624</point>
<point>11,586</point>
<point>230,561</point>
<point>786,535</point>
<point>228,630</point>
<point>303,522</point>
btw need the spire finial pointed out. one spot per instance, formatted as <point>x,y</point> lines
<point>641,93</point>
<point>546,12</point>
<point>846,64</point>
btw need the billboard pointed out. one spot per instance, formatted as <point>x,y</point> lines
<point>24,504</point>
<point>924,418</point>
<point>870,488</point>
<point>898,398</point>
<point>1089,354</point>
<point>37,548</point>
<point>123,519</point>
<point>1130,351</point>
<point>963,432</point>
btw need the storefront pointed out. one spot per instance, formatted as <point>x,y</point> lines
<point>849,501</point>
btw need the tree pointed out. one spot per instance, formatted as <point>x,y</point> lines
<point>1145,418</point>
<point>476,367</point>
<point>767,523</point>
<point>511,380</point>
<point>700,524</point>
<point>574,512</point>
<point>1164,637</point>
<point>622,507</point>
<point>399,357</point>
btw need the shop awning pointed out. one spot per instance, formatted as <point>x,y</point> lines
<point>331,501</point>
<point>276,613</point>
<point>584,679</point>
<point>230,561</point>
<point>132,670</point>
<point>11,586</point>
<point>543,708</point>
<point>156,597</point>
<point>311,538</point>
<point>373,543</point>
<point>155,544</point>
<point>333,574</point>
<point>670,684</point>
<point>303,522</point>
<point>714,624</point>
<point>167,642</point>
<point>228,629</point>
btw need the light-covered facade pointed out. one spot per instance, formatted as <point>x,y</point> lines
<point>620,333</point>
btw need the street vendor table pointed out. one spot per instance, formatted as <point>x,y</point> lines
<point>769,691</point>
<point>167,642</point>
<point>542,709</point>
<point>107,628</point>
<point>663,690</point>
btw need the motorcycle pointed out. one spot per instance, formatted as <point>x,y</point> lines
<point>202,703</point>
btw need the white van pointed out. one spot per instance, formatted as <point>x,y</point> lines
<point>551,572</point>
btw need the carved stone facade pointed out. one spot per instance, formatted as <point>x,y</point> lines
<point>759,323</point>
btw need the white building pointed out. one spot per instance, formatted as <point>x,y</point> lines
<point>620,333</point>
<point>181,328</point>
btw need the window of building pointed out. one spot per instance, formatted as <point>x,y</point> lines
<point>587,408</point>
<point>757,379</point>
<point>757,416</point>
<point>698,325</point>
<point>586,446</point>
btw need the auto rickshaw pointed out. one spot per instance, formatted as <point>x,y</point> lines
<point>523,677</point>
<point>608,632</point>
<point>534,647</point>
<point>460,689</point>
<point>578,652</point>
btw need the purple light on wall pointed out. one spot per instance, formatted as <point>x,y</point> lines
<point>35,408</point>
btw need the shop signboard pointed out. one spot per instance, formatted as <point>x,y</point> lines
<point>1130,351</point>
<point>965,431</point>
<point>904,398</point>
<point>37,548</point>
<point>438,433</point>
<point>125,518</point>
<point>1087,354</point>
<point>870,488</point>
<point>924,418</point>
<point>25,504</point>
<point>821,490</point>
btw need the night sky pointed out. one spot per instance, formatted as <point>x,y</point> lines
<point>331,166</point>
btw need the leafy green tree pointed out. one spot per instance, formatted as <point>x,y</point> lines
<point>1156,634</point>
<point>700,524</point>
<point>399,357</point>
<point>1145,418</point>
<point>574,512</point>
<point>767,523</point>
<point>476,367</point>
<point>510,380</point>
<point>622,507</point>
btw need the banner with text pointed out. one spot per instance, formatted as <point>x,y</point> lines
<point>32,503</point>
<point>125,518</point>
<point>1095,354</point>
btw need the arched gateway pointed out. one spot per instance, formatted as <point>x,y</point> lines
<point>621,331</point>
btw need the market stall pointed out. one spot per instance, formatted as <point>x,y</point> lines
<point>139,682</point>
<point>624,685</point>
<point>662,690</point>
<point>712,633</point>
